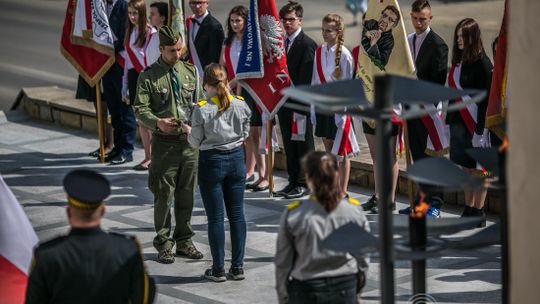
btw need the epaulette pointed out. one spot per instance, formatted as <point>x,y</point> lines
<point>353,201</point>
<point>293,205</point>
<point>239,97</point>
<point>202,102</point>
<point>146,68</point>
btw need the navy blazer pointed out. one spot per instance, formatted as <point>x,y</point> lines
<point>118,23</point>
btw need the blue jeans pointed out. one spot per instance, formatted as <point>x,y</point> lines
<point>222,177</point>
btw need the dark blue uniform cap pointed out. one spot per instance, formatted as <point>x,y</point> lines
<point>86,189</point>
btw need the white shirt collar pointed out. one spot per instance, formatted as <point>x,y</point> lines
<point>294,35</point>
<point>200,19</point>
<point>424,34</point>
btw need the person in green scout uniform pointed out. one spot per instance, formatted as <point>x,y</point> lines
<point>166,92</point>
<point>88,265</point>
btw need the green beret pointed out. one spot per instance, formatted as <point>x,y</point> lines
<point>168,36</point>
<point>86,189</point>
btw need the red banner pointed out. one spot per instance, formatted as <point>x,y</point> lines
<point>93,60</point>
<point>496,112</point>
<point>266,90</point>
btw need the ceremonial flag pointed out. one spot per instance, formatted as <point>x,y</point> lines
<point>262,65</point>
<point>17,241</point>
<point>87,40</point>
<point>177,19</point>
<point>496,110</point>
<point>383,47</point>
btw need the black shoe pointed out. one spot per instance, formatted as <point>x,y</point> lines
<point>370,204</point>
<point>466,211</point>
<point>121,159</point>
<point>250,179</point>
<point>236,274</point>
<point>216,275</point>
<point>479,213</point>
<point>113,154</point>
<point>283,192</point>
<point>297,192</point>
<point>375,210</point>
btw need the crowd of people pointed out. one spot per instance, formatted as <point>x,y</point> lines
<point>199,127</point>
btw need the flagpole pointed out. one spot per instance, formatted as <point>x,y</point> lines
<point>408,159</point>
<point>270,157</point>
<point>100,124</point>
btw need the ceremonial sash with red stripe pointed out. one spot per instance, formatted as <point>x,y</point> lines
<point>468,117</point>
<point>139,66</point>
<point>318,63</point>
<point>228,62</point>
<point>188,26</point>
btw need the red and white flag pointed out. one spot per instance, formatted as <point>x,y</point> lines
<point>87,40</point>
<point>262,64</point>
<point>496,109</point>
<point>17,242</point>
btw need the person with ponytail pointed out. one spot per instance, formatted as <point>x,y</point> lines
<point>141,50</point>
<point>333,61</point>
<point>305,272</point>
<point>218,129</point>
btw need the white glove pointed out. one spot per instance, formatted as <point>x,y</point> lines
<point>477,140</point>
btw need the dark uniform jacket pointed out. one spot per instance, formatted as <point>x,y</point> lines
<point>89,266</point>
<point>209,40</point>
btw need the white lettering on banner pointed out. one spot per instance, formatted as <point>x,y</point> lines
<point>249,56</point>
<point>271,88</point>
<point>282,76</point>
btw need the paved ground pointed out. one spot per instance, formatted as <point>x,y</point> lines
<point>35,156</point>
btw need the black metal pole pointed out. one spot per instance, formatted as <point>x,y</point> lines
<point>383,103</point>
<point>418,240</point>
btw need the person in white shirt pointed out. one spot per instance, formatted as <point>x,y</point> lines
<point>141,49</point>
<point>333,61</point>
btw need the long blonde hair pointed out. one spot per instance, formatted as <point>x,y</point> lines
<point>338,20</point>
<point>215,75</point>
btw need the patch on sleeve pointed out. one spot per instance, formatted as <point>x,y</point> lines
<point>293,205</point>
<point>353,201</point>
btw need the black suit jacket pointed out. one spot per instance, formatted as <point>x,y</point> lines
<point>431,65</point>
<point>118,22</point>
<point>300,59</point>
<point>209,40</point>
<point>89,266</point>
<point>432,60</point>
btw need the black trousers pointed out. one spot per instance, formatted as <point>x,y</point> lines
<point>336,290</point>
<point>418,136</point>
<point>295,150</point>
<point>122,115</point>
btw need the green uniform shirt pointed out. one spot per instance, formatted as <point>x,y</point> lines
<point>155,98</point>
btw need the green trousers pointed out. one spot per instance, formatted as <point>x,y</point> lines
<point>172,178</point>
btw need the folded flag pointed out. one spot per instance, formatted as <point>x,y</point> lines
<point>17,242</point>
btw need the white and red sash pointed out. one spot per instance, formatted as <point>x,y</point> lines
<point>437,141</point>
<point>298,128</point>
<point>263,145</point>
<point>228,62</point>
<point>345,143</point>
<point>470,113</point>
<point>138,56</point>
<point>192,51</point>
